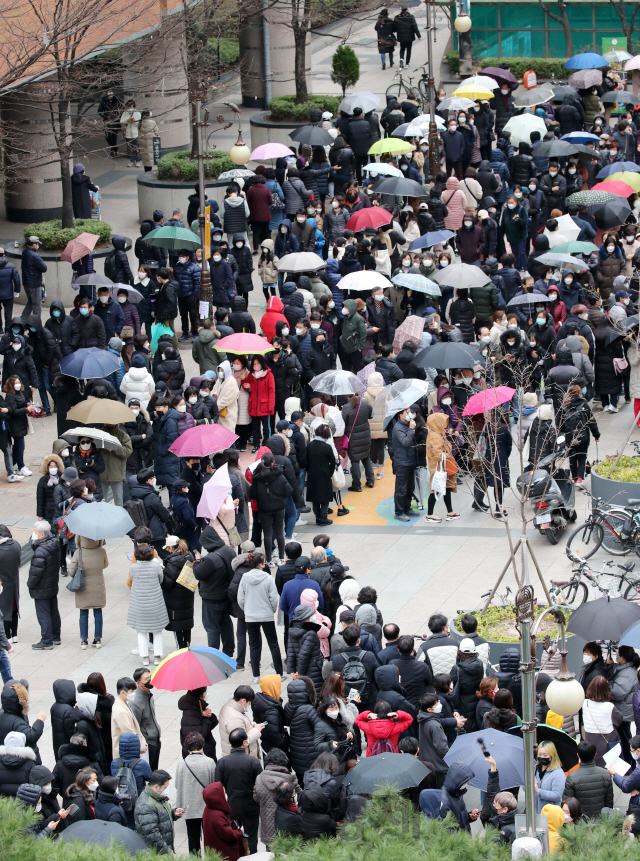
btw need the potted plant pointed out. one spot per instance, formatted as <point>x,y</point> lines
<point>614,480</point>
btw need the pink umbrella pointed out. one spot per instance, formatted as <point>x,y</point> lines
<point>487,400</point>
<point>243,343</point>
<point>271,150</point>
<point>366,372</point>
<point>79,247</point>
<point>214,492</point>
<point>202,441</point>
<point>410,330</point>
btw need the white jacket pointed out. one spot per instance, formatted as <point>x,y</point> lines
<point>597,717</point>
<point>131,129</point>
<point>138,383</point>
<point>227,393</point>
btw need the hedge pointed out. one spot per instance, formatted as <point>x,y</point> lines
<point>543,67</point>
<point>285,107</point>
<point>229,50</point>
<point>180,166</point>
<point>54,238</point>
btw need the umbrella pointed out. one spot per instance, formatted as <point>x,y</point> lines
<point>632,64</point>
<point>580,138</point>
<point>271,150</point>
<point>417,282</point>
<point>567,227</point>
<point>382,169</point>
<point>378,772</point>
<point>214,493</point>
<point>500,74</point>
<point>413,129</point>
<point>192,668</point>
<point>365,100</point>
<point>101,832</point>
<point>586,61</point>
<point>628,176</point>
<point>527,299</point>
<point>563,261</point>
<point>312,135</point>
<point>614,186</point>
<point>243,343</point>
<point>489,399</point>
<point>393,146</point>
<point>575,247</point>
<point>99,521</point>
<point>618,166</point>
<point>461,275</point>
<point>93,279</point>
<point>365,279</point>
<point>100,411</point>
<point>588,196</point>
<point>172,237</point>
<point>337,382</point>
<point>374,216</point>
<point>631,636</point>
<point>88,363</point>
<point>562,90</point>
<point>479,81</point>
<point>366,372</point>
<point>425,119</point>
<point>531,98</point>
<point>398,185</point>
<point>555,149</point>
<point>454,354</point>
<point>473,91</point>
<point>237,173</point>
<point>586,78</point>
<point>133,295</point>
<point>507,751</point>
<point>79,247</point>
<point>203,440</point>
<point>611,214</point>
<point>603,619</point>
<point>410,329</point>
<point>427,240</point>
<point>101,438</point>
<point>457,103</point>
<point>302,261</point>
<point>522,126</point>
<point>565,745</point>
<point>398,396</point>
<point>617,56</point>
<point>619,97</point>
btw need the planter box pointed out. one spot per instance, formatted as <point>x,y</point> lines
<point>617,492</point>
<point>154,193</point>
<point>265,130</point>
<point>58,275</point>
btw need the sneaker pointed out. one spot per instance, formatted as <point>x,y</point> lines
<point>14,476</point>
<point>40,647</point>
<point>453,516</point>
<point>613,409</point>
<point>97,644</point>
<point>302,522</point>
<point>578,482</point>
<point>145,662</point>
<point>370,484</point>
<point>256,680</point>
<point>135,651</point>
<point>254,449</point>
<point>342,512</point>
<point>627,400</point>
<point>47,414</point>
<point>325,522</point>
<point>239,668</point>
<point>283,676</point>
<point>412,513</point>
<point>479,506</point>
<point>57,642</point>
<point>26,471</point>
<point>183,337</point>
<point>157,659</point>
<point>402,517</point>
<point>84,644</point>
<point>14,639</point>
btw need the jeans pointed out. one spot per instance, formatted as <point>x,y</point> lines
<point>143,644</point>
<point>269,290</point>
<point>272,525</point>
<point>7,304</point>
<point>5,667</point>
<point>383,58</point>
<point>133,150</point>
<point>303,475</point>
<point>241,637</point>
<point>18,451</point>
<point>216,620</point>
<point>518,249</point>
<point>111,137</point>
<point>117,488</point>
<point>97,623</point>
<point>44,385</point>
<point>48,617</point>
<point>255,645</point>
<point>291,516</point>
<point>403,493</point>
<point>7,461</point>
<point>355,472</point>
<point>405,47</point>
<point>256,421</point>
<point>194,835</point>
<point>188,307</point>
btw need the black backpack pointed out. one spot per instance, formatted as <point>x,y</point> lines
<point>137,511</point>
<point>110,267</point>
<point>354,674</point>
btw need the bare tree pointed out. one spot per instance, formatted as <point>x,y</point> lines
<point>563,19</point>
<point>627,20</point>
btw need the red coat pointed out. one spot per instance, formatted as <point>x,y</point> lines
<point>375,729</point>
<point>218,832</point>
<point>272,316</point>
<point>262,400</point>
<point>559,313</point>
<point>259,200</point>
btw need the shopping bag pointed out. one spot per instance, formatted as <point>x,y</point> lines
<point>187,578</point>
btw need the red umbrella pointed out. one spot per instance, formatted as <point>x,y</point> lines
<point>374,216</point>
<point>79,247</point>
<point>487,400</point>
<point>243,343</point>
<point>202,441</point>
<point>614,186</point>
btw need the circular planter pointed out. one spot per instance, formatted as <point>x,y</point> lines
<point>618,492</point>
<point>59,272</point>
<point>265,130</point>
<point>163,194</point>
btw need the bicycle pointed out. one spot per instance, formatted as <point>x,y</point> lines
<point>399,90</point>
<point>614,526</point>
<point>574,592</point>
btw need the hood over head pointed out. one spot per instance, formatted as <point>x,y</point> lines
<point>497,155</point>
<point>64,690</point>
<point>57,305</point>
<point>545,412</point>
<point>87,703</point>
<point>376,380</point>
<point>271,686</point>
<point>438,423</point>
<point>574,343</point>
<point>314,800</point>
<point>366,615</point>
<point>40,775</point>
<point>239,304</point>
<point>308,597</point>
<point>288,288</point>
<point>387,678</point>
<point>226,367</point>
<point>351,306</point>
<point>459,773</point>
<point>276,445</point>
<point>348,590</point>
<point>275,304</point>
<point>119,242</point>
<point>214,797</point>
<point>304,283</point>
<point>564,357</point>
<point>129,746</point>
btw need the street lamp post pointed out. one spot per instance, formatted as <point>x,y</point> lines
<point>463,26</point>
<point>205,277</point>
<point>433,129</point>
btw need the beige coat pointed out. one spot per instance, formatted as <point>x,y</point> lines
<point>94,561</point>
<point>148,131</point>
<point>232,717</point>
<point>375,386</point>
<point>267,269</point>
<point>437,444</point>
<point>227,392</point>
<point>472,191</point>
<point>633,355</point>
<point>123,720</point>
<point>243,417</point>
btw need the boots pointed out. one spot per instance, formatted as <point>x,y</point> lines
<point>478,498</point>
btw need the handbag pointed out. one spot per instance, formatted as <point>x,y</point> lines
<point>277,203</point>
<point>338,479</point>
<point>187,578</point>
<point>232,534</point>
<point>126,332</point>
<point>451,467</point>
<point>223,412</point>
<point>620,365</point>
<point>78,583</point>
<point>439,479</point>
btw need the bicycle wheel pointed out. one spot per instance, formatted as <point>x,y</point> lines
<point>397,90</point>
<point>632,592</point>
<point>611,527</point>
<point>585,540</point>
<point>574,593</point>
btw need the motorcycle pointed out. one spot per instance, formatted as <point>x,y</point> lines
<point>551,492</point>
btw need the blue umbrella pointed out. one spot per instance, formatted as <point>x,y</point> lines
<point>88,363</point>
<point>99,520</point>
<point>617,167</point>
<point>581,138</point>
<point>508,752</point>
<point>429,239</point>
<point>586,61</point>
<point>417,282</point>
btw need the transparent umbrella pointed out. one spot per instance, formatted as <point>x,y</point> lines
<point>337,382</point>
<point>398,396</point>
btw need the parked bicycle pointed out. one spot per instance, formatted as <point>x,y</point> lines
<point>615,527</point>
<point>575,591</point>
<point>400,90</point>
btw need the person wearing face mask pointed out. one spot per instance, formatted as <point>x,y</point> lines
<point>63,330</point>
<point>141,435</point>
<point>470,241</point>
<point>147,610</point>
<point>612,263</point>
<point>241,253</point>
<point>89,462</point>
<point>187,274</point>
<point>352,337</point>
<point>515,226</point>
<point>110,313</point>
<point>223,285</point>
<point>453,142</point>
<point>432,737</point>
<point>554,187</point>
<point>90,326</point>
<point>51,469</point>
<point>453,199</point>
<point>503,107</point>
<point>123,720</point>
<point>550,780</point>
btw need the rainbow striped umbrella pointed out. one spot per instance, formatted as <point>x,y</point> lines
<point>195,667</point>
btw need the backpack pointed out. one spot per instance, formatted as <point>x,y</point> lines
<point>382,745</point>
<point>127,789</point>
<point>110,265</point>
<point>63,530</point>
<point>355,676</point>
<point>575,422</point>
<point>137,511</point>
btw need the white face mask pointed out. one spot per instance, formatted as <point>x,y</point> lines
<point>567,818</point>
<point>572,170</point>
<point>47,789</point>
<point>85,446</point>
<point>289,432</point>
<point>437,708</point>
<point>314,326</point>
<point>16,347</point>
<point>64,452</point>
<point>217,258</point>
<point>103,299</point>
<point>505,91</point>
<point>554,296</point>
<point>406,263</point>
<point>532,188</point>
<point>477,375</point>
<point>237,368</point>
<point>193,399</point>
<point>345,312</point>
<point>238,244</point>
<point>611,249</point>
<point>446,402</point>
<point>134,411</point>
<point>182,408</point>
<point>333,714</point>
<point>511,343</point>
<point>53,470</point>
<point>299,332</point>
<point>427,262</point>
<point>468,224</point>
<point>153,484</point>
<point>258,374</point>
<point>35,536</point>
<point>511,205</point>
<point>185,259</point>
<point>335,204</point>
<point>587,659</point>
<point>444,263</point>
<point>410,417</point>
<point>285,331</point>
<point>567,281</point>
<point>93,786</point>
<point>553,173</point>
<point>301,219</point>
<point>625,301</point>
<point>122,299</point>
<point>635,754</point>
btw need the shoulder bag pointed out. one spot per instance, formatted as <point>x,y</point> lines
<point>77,583</point>
<point>187,579</point>
<point>232,534</point>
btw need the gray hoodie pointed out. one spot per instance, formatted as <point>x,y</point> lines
<point>258,596</point>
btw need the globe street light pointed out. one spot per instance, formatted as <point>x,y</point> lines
<point>463,27</point>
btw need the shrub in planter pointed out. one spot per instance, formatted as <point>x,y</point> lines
<point>498,624</point>
<point>286,108</point>
<point>55,238</point>
<point>180,167</point>
<point>628,469</point>
<point>542,66</point>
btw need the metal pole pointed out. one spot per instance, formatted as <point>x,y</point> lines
<point>205,278</point>
<point>433,129</point>
<point>524,615</point>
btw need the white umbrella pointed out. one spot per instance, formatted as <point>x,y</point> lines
<point>398,396</point>
<point>425,119</point>
<point>530,98</point>
<point>630,65</point>
<point>481,81</point>
<point>364,280</point>
<point>522,126</point>
<point>300,261</point>
<point>456,103</point>
<point>101,438</point>
<point>366,100</point>
<point>133,295</point>
<point>237,173</point>
<point>382,169</point>
<point>567,227</point>
<point>337,382</point>
<point>617,56</point>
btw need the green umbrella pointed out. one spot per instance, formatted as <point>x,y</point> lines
<point>587,197</point>
<point>575,247</point>
<point>172,237</point>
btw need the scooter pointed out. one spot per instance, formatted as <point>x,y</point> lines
<point>551,492</point>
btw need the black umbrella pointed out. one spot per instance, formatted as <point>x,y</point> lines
<point>556,149</point>
<point>453,354</point>
<point>621,97</point>
<point>527,299</point>
<point>613,213</point>
<point>313,135</point>
<point>94,279</point>
<point>604,619</point>
<point>385,769</point>
<point>100,831</point>
<point>565,745</point>
<point>563,90</point>
<point>399,185</point>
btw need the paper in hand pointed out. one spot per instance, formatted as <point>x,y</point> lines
<point>612,759</point>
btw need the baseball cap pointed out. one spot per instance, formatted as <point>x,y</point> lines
<point>282,425</point>
<point>171,541</point>
<point>482,213</point>
<point>327,115</point>
<point>116,343</point>
<point>1,250</point>
<point>247,546</point>
<point>33,239</point>
<point>347,616</point>
<point>134,401</point>
<point>302,563</point>
<point>467,646</point>
<point>338,569</point>
<point>423,205</point>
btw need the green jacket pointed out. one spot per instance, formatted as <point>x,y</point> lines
<point>485,300</point>
<point>203,353</point>
<point>115,462</point>
<point>154,821</point>
<point>354,329</point>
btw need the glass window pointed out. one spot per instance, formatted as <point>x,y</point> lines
<point>580,17</point>
<point>520,16</point>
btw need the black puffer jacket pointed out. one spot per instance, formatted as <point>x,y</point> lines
<point>13,719</point>
<point>568,116</point>
<point>63,329</point>
<point>406,361</point>
<point>270,488</point>
<point>178,598</point>
<point>157,514</point>
<point>522,166</point>
<point>359,136</point>
<point>123,270</point>
<point>243,258</point>
<point>356,421</point>
<point>166,304</point>
<point>509,675</point>
<point>467,677</point>
<point>194,721</point>
<point>171,372</point>
<point>461,313</point>
<point>145,252</point>
<point>319,358</point>
<point>44,570</point>
<point>90,331</point>
<point>43,344</point>
<point>303,652</point>
<point>73,757</point>
<point>142,454</point>
<point>301,717</point>
<point>15,767</point>
<point>487,179</point>
<point>239,319</point>
<point>268,710</point>
<point>592,786</point>
<point>19,362</point>
<point>63,713</point>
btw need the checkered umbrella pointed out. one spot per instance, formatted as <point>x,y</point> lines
<point>417,282</point>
